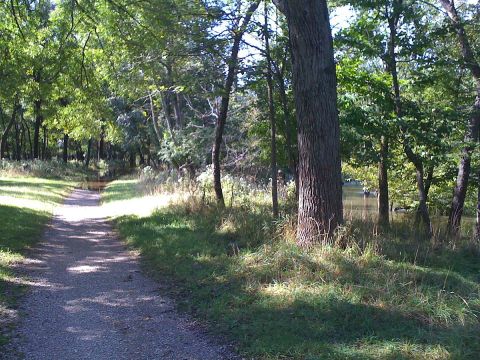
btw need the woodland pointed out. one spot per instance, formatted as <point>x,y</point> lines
<point>188,85</point>
<point>298,132</point>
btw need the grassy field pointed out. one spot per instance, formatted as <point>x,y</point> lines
<point>26,204</point>
<point>381,296</point>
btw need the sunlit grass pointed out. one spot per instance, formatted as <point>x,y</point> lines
<point>381,296</point>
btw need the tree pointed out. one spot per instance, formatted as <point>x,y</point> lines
<point>471,135</point>
<point>314,77</point>
<point>272,116</point>
<point>238,31</point>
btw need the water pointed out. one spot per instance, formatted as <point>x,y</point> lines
<point>97,184</point>
<point>358,206</point>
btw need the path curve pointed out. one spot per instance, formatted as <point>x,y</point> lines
<point>89,300</point>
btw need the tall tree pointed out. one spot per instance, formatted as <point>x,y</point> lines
<point>471,135</point>
<point>238,31</point>
<point>272,116</point>
<point>320,208</point>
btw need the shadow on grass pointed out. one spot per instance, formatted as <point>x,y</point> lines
<point>20,229</point>
<point>331,310</point>
<point>44,190</point>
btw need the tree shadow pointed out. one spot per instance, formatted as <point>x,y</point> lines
<point>341,318</point>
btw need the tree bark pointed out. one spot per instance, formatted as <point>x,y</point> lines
<point>29,137</point>
<point>273,126</point>
<point>101,145</point>
<point>133,159</point>
<point>314,77</point>
<point>18,144</point>
<point>6,131</point>
<point>45,144</point>
<point>89,151</point>
<point>383,198</point>
<point>157,130</point>
<point>471,135</point>
<point>478,207</point>
<point>38,124</point>
<point>65,147</point>
<point>227,89</point>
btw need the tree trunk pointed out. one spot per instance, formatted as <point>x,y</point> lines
<point>4,139</point>
<point>101,145</point>
<point>178,110</point>
<point>133,159</point>
<point>383,198</point>
<point>273,125</point>
<point>478,207</point>
<point>142,157</point>
<point>65,147</point>
<point>157,130</point>
<point>89,150</point>
<point>227,89</point>
<point>464,168</point>
<point>38,125</point>
<point>314,78</point>
<point>45,144</point>
<point>18,144</point>
<point>391,67</point>
<point>427,183</point>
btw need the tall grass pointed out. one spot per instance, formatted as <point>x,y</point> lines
<point>369,293</point>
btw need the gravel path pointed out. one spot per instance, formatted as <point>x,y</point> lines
<point>89,299</point>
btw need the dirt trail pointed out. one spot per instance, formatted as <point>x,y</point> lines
<point>89,299</point>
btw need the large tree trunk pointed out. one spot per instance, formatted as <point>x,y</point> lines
<point>227,89</point>
<point>314,78</point>
<point>271,112</point>
<point>38,125</point>
<point>65,147</point>
<point>6,131</point>
<point>383,198</point>
<point>464,168</point>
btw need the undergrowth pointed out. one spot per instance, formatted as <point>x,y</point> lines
<point>371,294</point>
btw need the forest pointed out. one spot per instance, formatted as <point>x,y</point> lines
<point>302,176</point>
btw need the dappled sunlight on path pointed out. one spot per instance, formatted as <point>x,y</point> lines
<point>89,299</point>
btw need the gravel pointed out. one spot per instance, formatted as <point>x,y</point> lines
<point>89,300</point>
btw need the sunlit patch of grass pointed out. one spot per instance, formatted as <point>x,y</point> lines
<point>376,297</point>
<point>122,189</point>
<point>33,193</point>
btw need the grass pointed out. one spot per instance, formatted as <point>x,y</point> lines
<point>26,204</point>
<point>123,189</point>
<point>378,297</point>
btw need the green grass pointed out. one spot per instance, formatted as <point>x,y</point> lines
<point>46,191</point>
<point>30,202</point>
<point>276,301</point>
<point>120,190</point>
